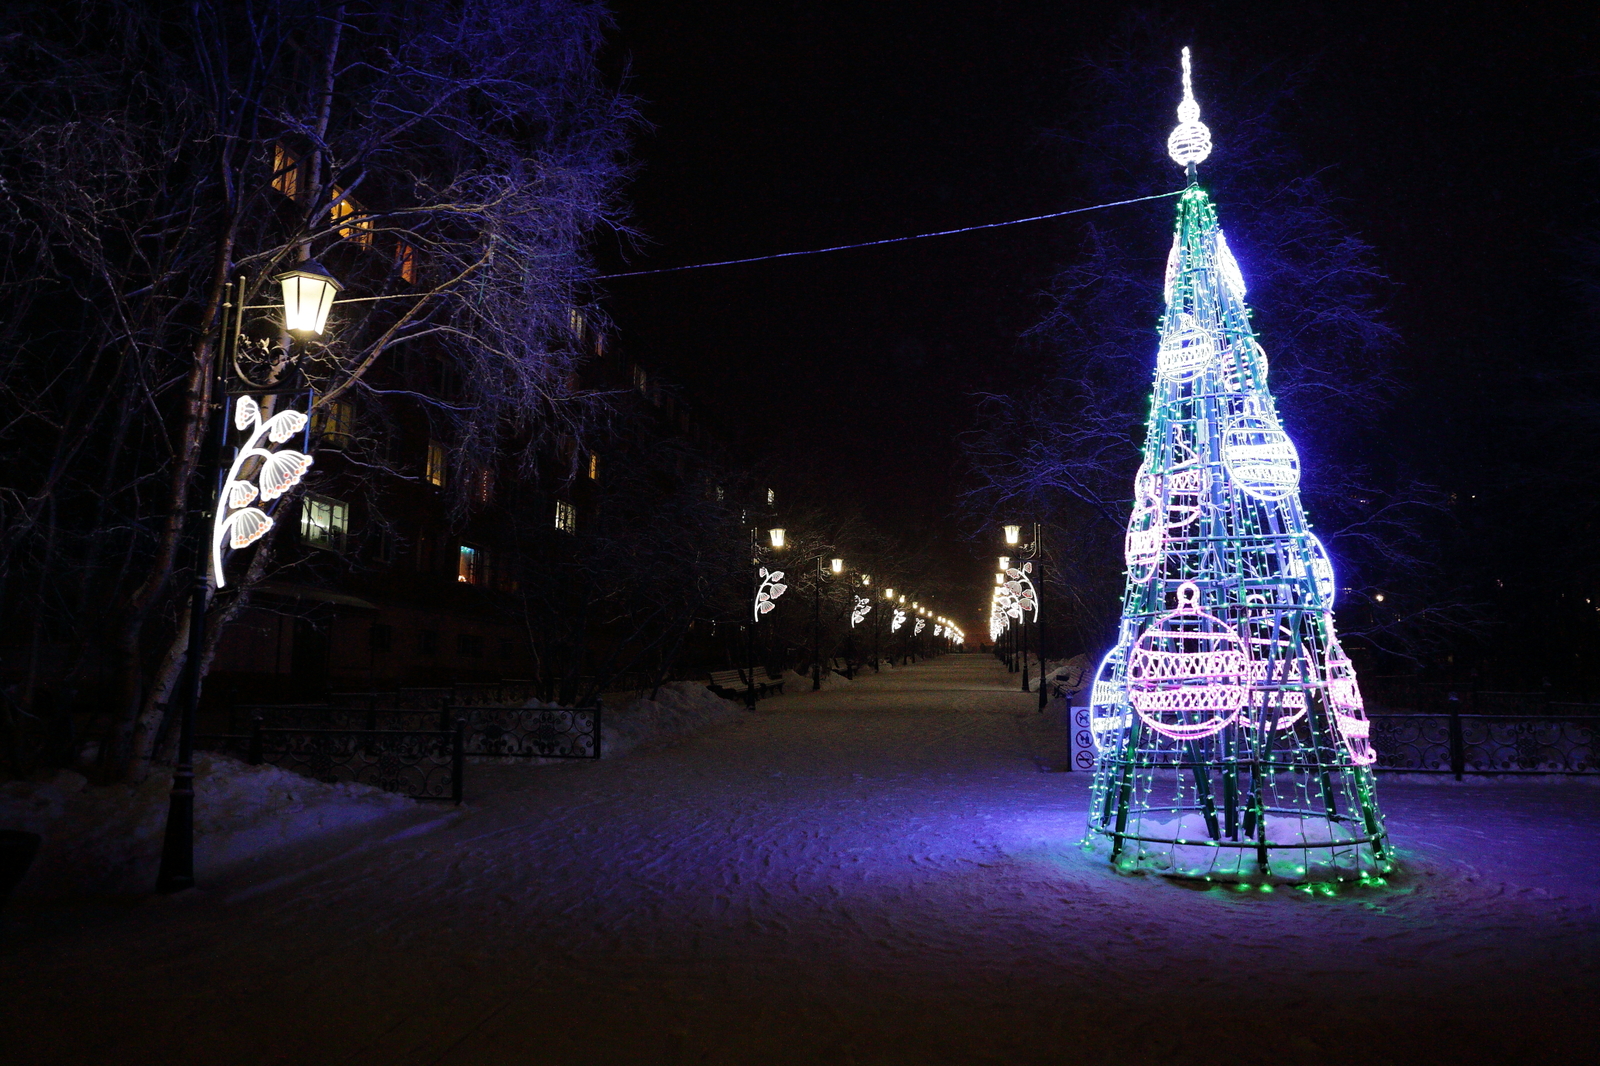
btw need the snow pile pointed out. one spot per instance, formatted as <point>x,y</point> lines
<point>678,709</point>
<point>106,840</point>
<point>794,682</point>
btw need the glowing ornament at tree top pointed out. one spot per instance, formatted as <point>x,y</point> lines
<point>1190,142</point>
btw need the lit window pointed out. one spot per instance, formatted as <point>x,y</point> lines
<point>594,467</point>
<point>405,258</point>
<point>436,463</point>
<point>332,423</point>
<point>566,517</point>
<point>772,497</point>
<point>576,320</point>
<point>324,522</point>
<point>470,566</point>
<point>345,208</point>
<point>285,171</point>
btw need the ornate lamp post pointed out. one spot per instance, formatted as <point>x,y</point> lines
<point>836,566</point>
<point>877,628</point>
<point>768,587</point>
<point>235,522</point>
<point>1024,579</point>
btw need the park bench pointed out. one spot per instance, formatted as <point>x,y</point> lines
<point>846,667</point>
<point>731,684</point>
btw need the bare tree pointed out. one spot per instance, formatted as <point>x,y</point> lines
<point>450,158</point>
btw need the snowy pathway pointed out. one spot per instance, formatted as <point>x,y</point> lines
<point>876,874</point>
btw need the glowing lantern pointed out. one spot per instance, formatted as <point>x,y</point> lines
<point>776,536</point>
<point>1186,673</point>
<point>1013,534</point>
<point>308,292</point>
<point>837,564</point>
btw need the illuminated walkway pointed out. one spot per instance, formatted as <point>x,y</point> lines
<point>879,874</point>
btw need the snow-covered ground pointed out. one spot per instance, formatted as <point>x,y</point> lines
<point>106,840</point>
<point>877,873</point>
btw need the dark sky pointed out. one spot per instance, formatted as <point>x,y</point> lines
<point>1459,138</point>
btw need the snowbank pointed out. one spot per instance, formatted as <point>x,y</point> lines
<point>106,840</point>
<point>793,682</point>
<point>679,708</point>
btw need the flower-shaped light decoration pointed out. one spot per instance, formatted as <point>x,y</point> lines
<point>921,622</point>
<point>1020,586</point>
<point>862,608</point>
<point>899,620</point>
<point>772,587</point>
<point>938,631</point>
<point>238,524</point>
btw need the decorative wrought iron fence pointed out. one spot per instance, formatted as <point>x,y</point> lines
<point>425,764</point>
<point>533,732</point>
<point>1487,744</point>
<point>337,716</point>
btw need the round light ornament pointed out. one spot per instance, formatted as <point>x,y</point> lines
<point>1186,350</point>
<point>1173,259</point>
<point>1228,267</point>
<point>1109,716</point>
<point>1259,456</point>
<point>1145,539</point>
<point>1349,710</point>
<point>1187,672</point>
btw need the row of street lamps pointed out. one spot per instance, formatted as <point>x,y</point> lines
<point>768,586</point>
<point>1016,596</point>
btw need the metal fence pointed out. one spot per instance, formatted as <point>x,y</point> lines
<point>533,732</point>
<point>418,752</point>
<point>1486,744</point>
<point>425,764</point>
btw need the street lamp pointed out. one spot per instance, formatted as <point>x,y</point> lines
<point>308,292</point>
<point>837,566</point>
<point>768,586</point>
<point>1030,577</point>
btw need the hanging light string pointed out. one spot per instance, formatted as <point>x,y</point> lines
<point>890,240</point>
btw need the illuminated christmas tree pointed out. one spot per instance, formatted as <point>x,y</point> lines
<point>1231,735</point>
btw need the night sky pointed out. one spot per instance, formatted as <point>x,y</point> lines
<point>1460,147</point>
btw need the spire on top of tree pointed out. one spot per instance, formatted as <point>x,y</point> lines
<point>1231,734</point>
